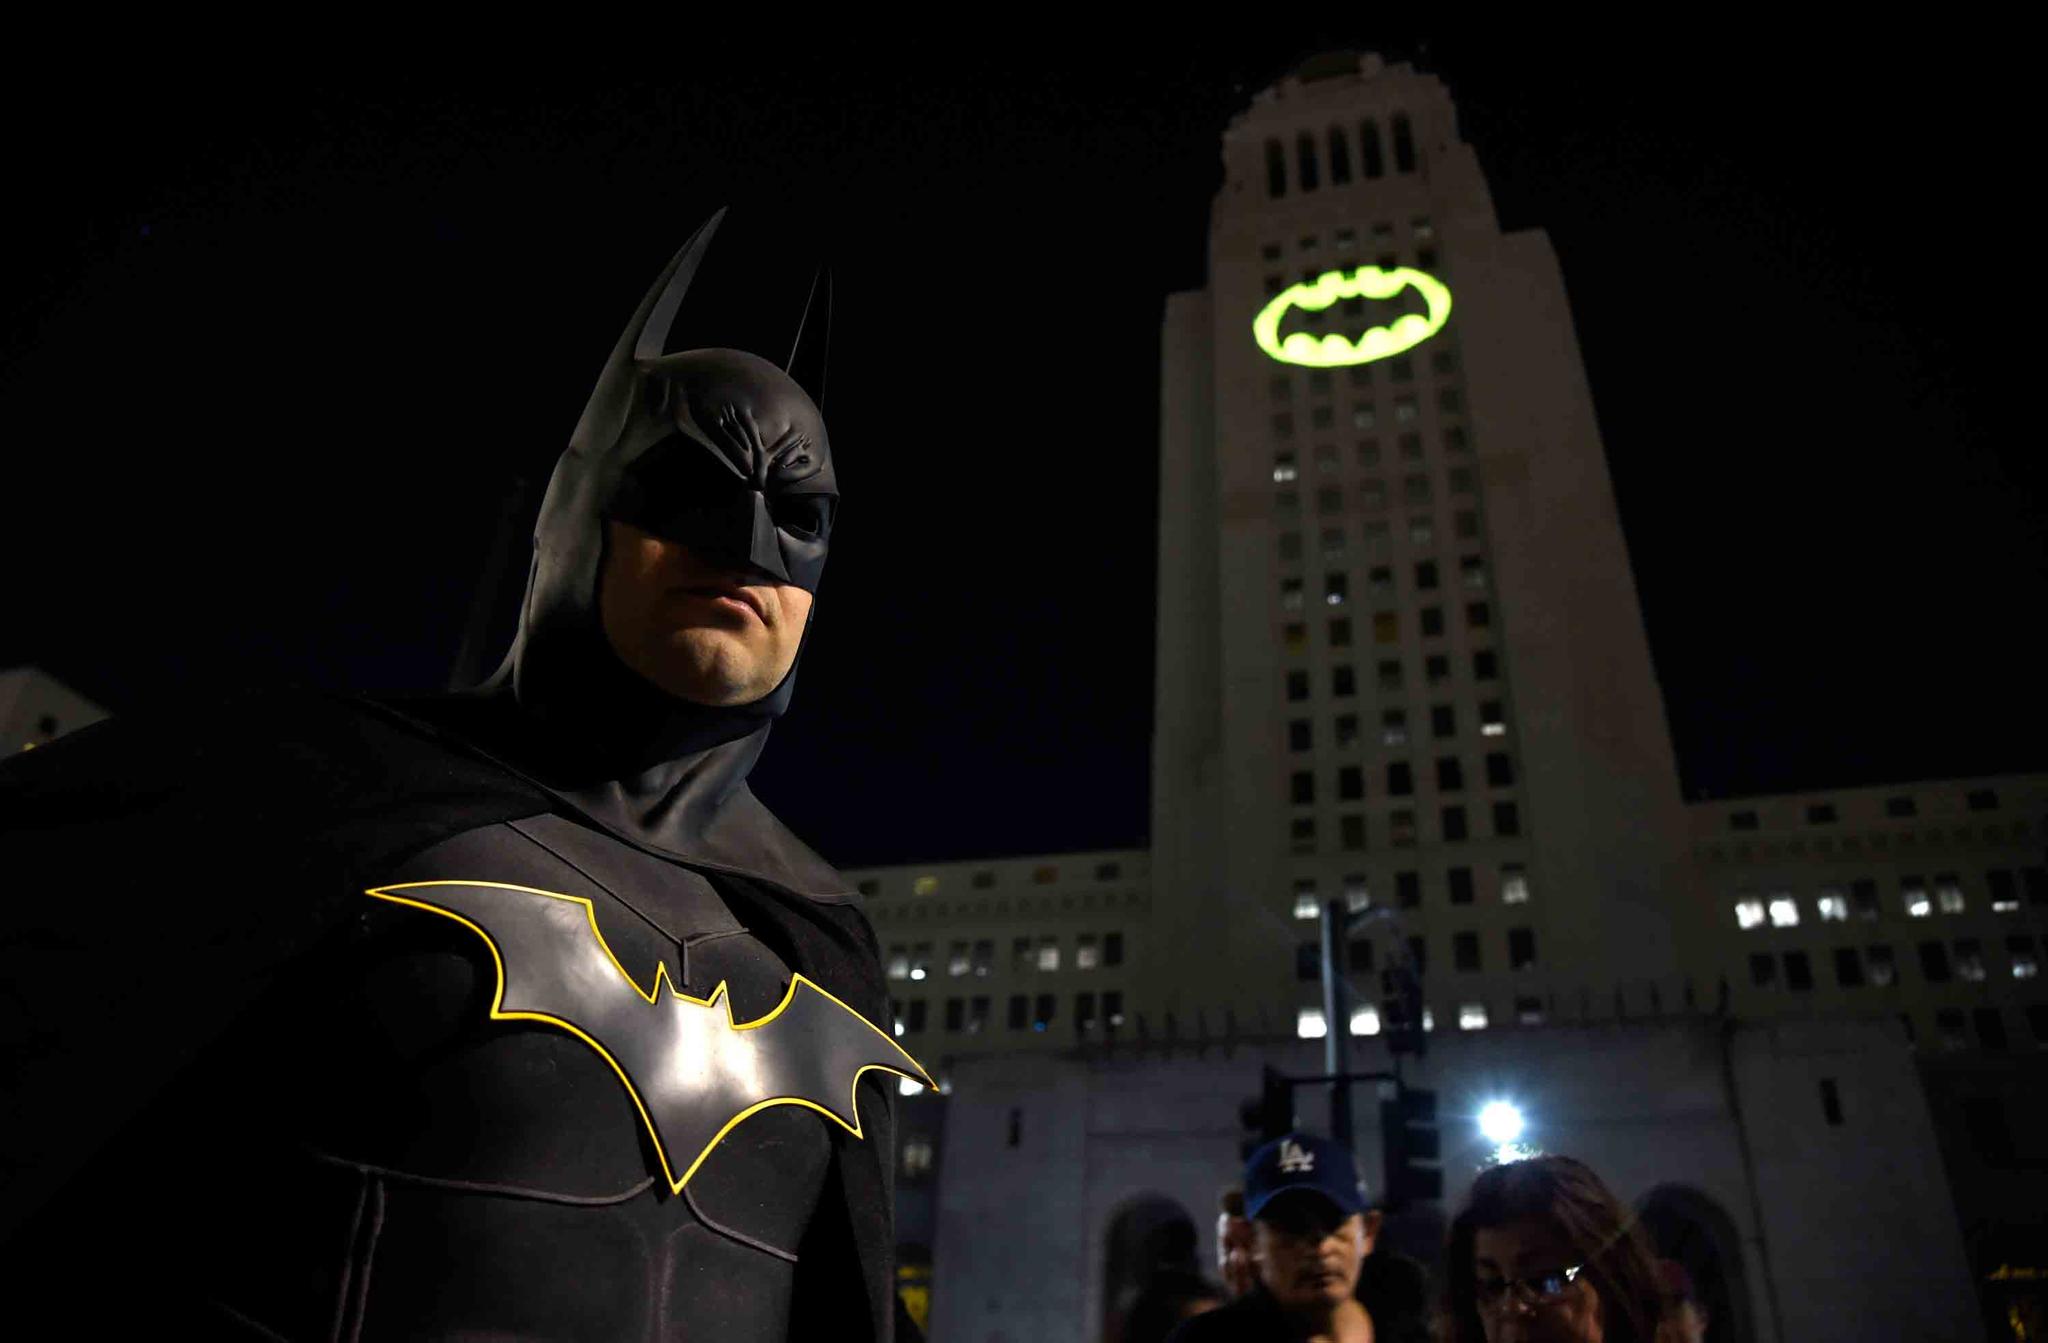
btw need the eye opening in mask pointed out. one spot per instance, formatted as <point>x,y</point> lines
<point>808,517</point>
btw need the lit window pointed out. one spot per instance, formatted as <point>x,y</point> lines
<point>1365,1021</point>
<point>1048,953</point>
<point>1335,589</point>
<point>924,886</point>
<point>1948,893</point>
<point>1784,910</point>
<point>1357,894</point>
<point>1493,720</point>
<point>1514,885</point>
<point>1306,906</point>
<point>1970,960</point>
<point>920,962</point>
<point>1529,1011</point>
<point>899,963</point>
<point>959,961</point>
<point>1309,1024</point>
<point>1284,468</point>
<point>1363,417</point>
<point>2021,951</point>
<point>1422,228</point>
<point>1421,531</point>
<point>1394,727</point>
<point>1749,913</point>
<point>1833,905</point>
<point>1913,890</point>
<point>1404,410</point>
<point>1472,1016</point>
<point>1290,594</point>
<point>2005,892</point>
<point>1086,955</point>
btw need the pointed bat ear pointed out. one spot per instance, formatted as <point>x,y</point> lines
<point>813,336</point>
<point>662,316</point>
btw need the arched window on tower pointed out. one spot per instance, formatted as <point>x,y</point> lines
<point>1276,170</point>
<point>1305,155</point>
<point>1340,157</point>
<point>1404,144</point>
<point>1369,160</point>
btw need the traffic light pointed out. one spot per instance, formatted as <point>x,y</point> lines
<point>1413,1149</point>
<point>1268,1115</point>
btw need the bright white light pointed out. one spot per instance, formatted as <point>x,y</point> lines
<point>1833,905</point>
<point>1749,913</point>
<point>1784,912</point>
<point>1309,1024</point>
<point>1493,729</point>
<point>917,972</point>
<point>906,1087</point>
<point>1500,1122</point>
<point>1306,907</point>
<point>1472,1017</point>
<point>1366,1020</point>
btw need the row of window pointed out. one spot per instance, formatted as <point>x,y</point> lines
<point>1454,827</point>
<point>1333,538</point>
<point>970,1015</point>
<point>1310,1024</point>
<point>1381,231</point>
<point>1045,874</point>
<point>1426,576</point>
<point>1953,1027</point>
<point>1917,899</point>
<point>1027,955</point>
<point>1875,966</point>
<point>1365,415</point>
<point>1458,885</point>
<point>1417,489</point>
<point>1443,361</point>
<point>1400,775</point>
<point>1465,954</point>
<point>1366,454</point>
<point>1443,718</point>
<point>1332,151</point>
<point>1386,629</point>
<point>1903,806</point>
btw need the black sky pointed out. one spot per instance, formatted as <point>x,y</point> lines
<point>272,345</point>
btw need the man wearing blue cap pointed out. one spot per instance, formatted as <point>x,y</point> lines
<point>1312,1229</point>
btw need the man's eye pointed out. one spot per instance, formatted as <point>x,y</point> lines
<point>1550,1284</point>
<point>805,516</point>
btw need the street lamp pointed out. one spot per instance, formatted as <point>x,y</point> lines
<point>1500,1122</point>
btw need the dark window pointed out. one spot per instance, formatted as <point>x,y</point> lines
<point>1436,669</point>
<point>1464,951</point>
<point>1459,879</point>
<point>1346,729</point>
<point>1425,575</point>
<point>1763,968</point>
<point>1361,958</point>
<point>1340,632</point>
<point>1953,1025</point>
<point>1301,788</point>
<point>1900,806</point>
<point>1390,674</point>
<point>1351,832</point>
<point>1821,813</point>
<point>1042,1012</point>
<point>1485,666</point>
<point>1400,778</point>
<point>1020,1010</point>
<point>1084,1012</point>
<point>1500,770</point>
<point>1450,775</point>
<point>870,887</point>
<point>983,880</point>
<point>1884,971</point>
<point>1507,819</point>
<point>1350,783</point>
<point>1016,1134</point>
<point>1308,961</point>
<point>1340,157</point>
<point>1418,951</point>
<point>1983,799</point>
<point>914,1015</point>
<point>977,1014</point>
<point>1276,171</point>
<point>1404,144</point>
<point>1432,622</point>
<point>1521,948</point>
<point>1863,897</point>
<point>1742,820</point>
<point>1477,615</point>
<point>1343,681</point>
<point>2005,892</point>
<point>1368,150</point>
<point>1443,720</point>
<point>1830,1102</point>
<point>2037,1022</point>
<point>1297,686</point>
<point>2035,881</point>
<point>1848,968</point>
<point>1990,1024</point>
<point>1113,1008</point>
<point>1934,962</point>
<point>1408,889</point>
<point>1798,971</point>
<point>1454,824</point>
<point>1113,949</point>
<point>1990,1135</point>
<point>1300,737</point>
<point>1301,834</point>
<point>956,1015</point>
<point>1305,160</point>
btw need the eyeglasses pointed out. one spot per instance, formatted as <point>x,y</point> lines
<point>1538,1289</point>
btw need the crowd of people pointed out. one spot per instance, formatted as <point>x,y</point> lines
<point>1541,1252</point>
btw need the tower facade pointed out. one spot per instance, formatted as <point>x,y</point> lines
<point>1400,655</point>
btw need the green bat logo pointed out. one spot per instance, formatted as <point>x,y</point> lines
<point>1334,351</point>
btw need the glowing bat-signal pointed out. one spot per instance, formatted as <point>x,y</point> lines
<point>1333,351</point>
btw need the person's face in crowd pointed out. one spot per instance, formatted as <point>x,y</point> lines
<point>699,632</point>
<point>1519,1273</point>
<point>1685,1322</point>
<point>1234,1253</point>
<point>1308,1250</point>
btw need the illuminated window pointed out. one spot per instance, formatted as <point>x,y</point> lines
<point>1428,1019</point>
<point>899,962</point>
<point>1309,1024</point>
<point>1113,1009</point>
<point>1465,952</point>
<point>1970,959</point>
<point>1472,1016</point>
<point>1421,531</point>
<point>1086,954</point>
<point>1048,954</point>
<point>1345,729</point>
<point>1284,469</point>
<point>1521,948</point>
<point>1884,971</point>
<point>1021,958</point>
<point>2019,949</point>
<point>1350,783</point>
<point>1357,894</point>
<point>959,960</point>
<point>1365,1021</point>
<point>1306,905</point>
<point>1335,588</point>
<point>2005,892</point>
<point>1393,727</point>
<point>1454,824</point>
<point>1514,884</point>
<point>1386,627</point>
<point>925,885</point>
<point>917,1158</point>
<point>1299,734</point>
<point>1343,681</point>
<point>1784,910</point>
<point>1913,893</point>
<point>1472,570</point>
<point>921,961</point>
<point>1749,913</point>
<point>1833,905</point>
<point>1948,893</point>
<point>1492,719</point>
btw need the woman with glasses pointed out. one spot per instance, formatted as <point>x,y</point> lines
<point>1543,1253</point>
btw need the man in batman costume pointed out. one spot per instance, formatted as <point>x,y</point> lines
<point>510,1014</point>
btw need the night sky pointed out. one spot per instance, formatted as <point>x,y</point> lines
<point>274,346</point>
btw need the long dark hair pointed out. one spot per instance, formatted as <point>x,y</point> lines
<point>1568,1196</point>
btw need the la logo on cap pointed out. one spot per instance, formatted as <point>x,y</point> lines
<point>1293,1158</point>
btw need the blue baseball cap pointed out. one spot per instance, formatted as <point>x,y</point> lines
<point>1302,1161</point>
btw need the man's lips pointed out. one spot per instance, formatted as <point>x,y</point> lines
<point>721,591</point>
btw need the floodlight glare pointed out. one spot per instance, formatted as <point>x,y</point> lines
<point>1500,1122</point>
